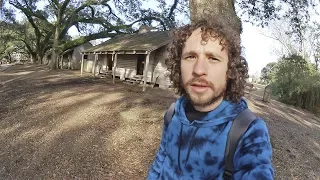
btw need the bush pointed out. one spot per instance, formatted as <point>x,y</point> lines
<point>297,82</point>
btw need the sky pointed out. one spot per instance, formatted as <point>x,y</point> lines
<point>257,48</point>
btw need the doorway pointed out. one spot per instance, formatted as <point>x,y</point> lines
<point>140,64</point>
<point>109,62</point>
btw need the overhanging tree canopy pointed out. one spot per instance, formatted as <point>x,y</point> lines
<point>106,18</point>
<point>100,18</point>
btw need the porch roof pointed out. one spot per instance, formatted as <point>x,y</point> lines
<point>148,41</point>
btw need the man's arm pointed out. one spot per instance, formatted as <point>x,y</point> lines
<point>156,167</point>
<point>252,158</point>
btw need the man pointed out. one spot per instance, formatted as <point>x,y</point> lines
<point>209,73</point>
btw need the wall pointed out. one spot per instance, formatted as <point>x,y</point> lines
<point>160,69</point>
<point>88,63</point>
<point>102,63</point>
<point>126,65</point>
<point>150,74</point>
<point>65,60</point>
<point>77,56</point>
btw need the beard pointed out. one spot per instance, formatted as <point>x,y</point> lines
<point>208,97</point>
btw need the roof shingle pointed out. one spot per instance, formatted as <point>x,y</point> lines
<point>129,42</point>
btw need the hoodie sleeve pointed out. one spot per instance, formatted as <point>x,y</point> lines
<point>252,159</point>
<point>156,167</point>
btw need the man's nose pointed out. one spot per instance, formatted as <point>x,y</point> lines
<point>200,67</point>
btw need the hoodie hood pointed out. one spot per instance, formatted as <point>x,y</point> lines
<point>225,111</point>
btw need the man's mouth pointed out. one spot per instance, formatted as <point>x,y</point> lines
<point>199,87</point>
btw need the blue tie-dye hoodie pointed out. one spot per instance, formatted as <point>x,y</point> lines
<point>196,150</point>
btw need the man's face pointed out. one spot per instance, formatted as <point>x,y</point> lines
<point>204,68</point>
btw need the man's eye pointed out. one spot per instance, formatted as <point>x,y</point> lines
<point>190,57</point>
<point>213,59</point>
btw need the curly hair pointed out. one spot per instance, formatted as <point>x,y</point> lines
<point>228,37</point>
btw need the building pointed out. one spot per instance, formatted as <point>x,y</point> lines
<point>71,58</point>
<point>132,56</point>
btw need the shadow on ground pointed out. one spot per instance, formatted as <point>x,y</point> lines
<point>294,136</point>
<point>58,125</point>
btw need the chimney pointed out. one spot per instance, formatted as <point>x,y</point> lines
<point>144,29</point>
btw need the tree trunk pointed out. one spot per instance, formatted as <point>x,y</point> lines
<point>53,63</point>
<point>55,48</point>
<point>40,58</point>
<point>9,58</point>
<point>34,58</point>
<point>220,11</point>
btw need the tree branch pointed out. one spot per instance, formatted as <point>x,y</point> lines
<point>63,7</point>
<point>84,39</point>
<point>28,11</point>
<point>110,10</point>
<point>56,2</point>
<point>31,21</point>
<point>73,18</point>
<point>65,4</point>
<point>27,46</point>
<point>173,7</point>
<point>149,18</point>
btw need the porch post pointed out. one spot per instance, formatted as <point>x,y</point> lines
<point>106,62</point>
<point>61,61</point>
<point>114,66</point>
<point>69,61</point>
<point>95,64</point>
<point>145,72</point>
<point>82,62</point>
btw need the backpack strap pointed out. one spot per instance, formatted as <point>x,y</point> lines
<point>239,126</point>
<point>169,114</point>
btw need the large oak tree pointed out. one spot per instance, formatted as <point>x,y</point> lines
<point>96,18</point>
<point>107,18</point>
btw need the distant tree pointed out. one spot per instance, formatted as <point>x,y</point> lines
<point>94,18</point>
<point>297,82</point>
<point>308,45</point>
<point>314,39</point>
<point>267,71</point>
<point>9,42</point>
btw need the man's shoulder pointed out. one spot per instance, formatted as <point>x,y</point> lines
<point>258,122</point>
<point>256,132</point>
<point>257,127</point>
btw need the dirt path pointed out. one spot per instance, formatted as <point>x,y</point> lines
<point>58,125</point>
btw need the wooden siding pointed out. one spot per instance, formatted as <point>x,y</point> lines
<point>102,62</point>
<point>88,63</point>
<point>75,57</point>
<point>150,75</point>
<point>64,61</point>
<point>127,65</point>
<point>161,68</point>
